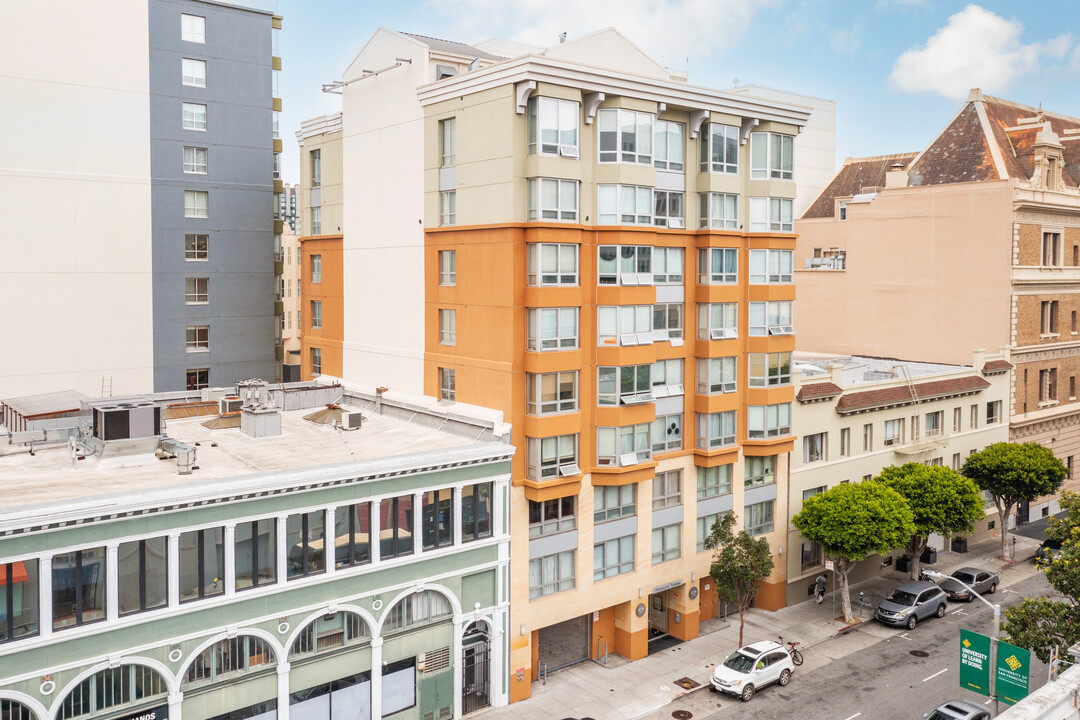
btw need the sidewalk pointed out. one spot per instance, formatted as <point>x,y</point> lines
<point>623,691</point>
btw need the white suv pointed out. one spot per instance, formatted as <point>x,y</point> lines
<point>752,667</point>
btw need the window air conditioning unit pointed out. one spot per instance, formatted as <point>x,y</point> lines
<point>351,420</point>
<point>229,404</point>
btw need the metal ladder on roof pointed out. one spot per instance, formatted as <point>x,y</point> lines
<point>106,386</point>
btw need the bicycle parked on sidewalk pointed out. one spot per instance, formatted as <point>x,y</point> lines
<point>796,656</point>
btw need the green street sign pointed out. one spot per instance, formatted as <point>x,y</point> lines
<point>974,662</point>
<point>1013,669</point>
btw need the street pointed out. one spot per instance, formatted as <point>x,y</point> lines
<point>876,672</point>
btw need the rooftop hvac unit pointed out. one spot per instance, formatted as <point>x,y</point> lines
<point>127,420</point>
<point>213,394</point>
<point>229,404</point>
<point>351,420</point>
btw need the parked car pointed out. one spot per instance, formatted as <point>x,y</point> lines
<point>983,582</point>
<point>910,603</point>
<point>959,710</point>
<point>751,668</point>
<point>1049,550</point>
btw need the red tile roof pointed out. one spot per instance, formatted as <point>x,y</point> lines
<point>901,394</point>
<point>996,366</point>
<point>857,173</point>
<point>818,390</point>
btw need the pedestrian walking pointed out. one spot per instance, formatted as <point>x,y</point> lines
<point>819,587</point>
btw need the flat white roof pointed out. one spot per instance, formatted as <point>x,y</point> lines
<point>859,369</point>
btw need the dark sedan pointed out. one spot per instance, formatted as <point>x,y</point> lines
<point>983,581</point>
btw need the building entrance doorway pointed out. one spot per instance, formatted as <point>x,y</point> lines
<point>658,615</point>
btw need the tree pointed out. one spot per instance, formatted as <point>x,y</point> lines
<point>739,562</point>
<point>942,501</point>
<point>851,522</point>
<point>1042,624</point>
<point>1014,472</point>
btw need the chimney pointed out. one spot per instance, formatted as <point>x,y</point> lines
<point>978,359</point>
<point>836,373</point>
<point>897,176</point>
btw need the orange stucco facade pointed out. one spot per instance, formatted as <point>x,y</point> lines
<point>329,293</point>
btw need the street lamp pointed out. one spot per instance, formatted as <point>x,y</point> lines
<point>995,637</point>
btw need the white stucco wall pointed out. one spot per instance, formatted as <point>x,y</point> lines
<point>75,279</point>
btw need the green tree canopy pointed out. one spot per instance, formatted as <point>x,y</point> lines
<point>853,521</point>
<point>740,561</point>
<point>941,501</point>
<point>1014,472</point>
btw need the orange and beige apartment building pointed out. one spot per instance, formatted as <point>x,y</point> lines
<point>973,242</point>
<point>600,252</point>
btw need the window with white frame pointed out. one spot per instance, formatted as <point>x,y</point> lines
<point>625,136</point>
<point>193,72</point>
<point>551,574</point>
<point>1051,249</point>
<point>669,145</point>
<point>771,156</point>
<point>277,176</point>
<point>196,247</point>
<point>196,290</point>
<point>704,528</point>
<point>713,481</point>
<point>894,432</point>
<point>447,207</point>
<point>666,543</point>
<point>758,518</point>
<point>553,328</point>
<point>667,489</point>
<point>551,264</point>
<point>611,502</point>
<point>316,269</point>
<point>552,516</point>
<point>667,378</point>
<point>194,116</point>
<point>842,205</point>
<point>316,314</point>
<point>718,148</point>
<point>316,167</point>
<point>316,221</point>
<point>815,447</point>
<point>624,325</point>
<point>768,421</point>
<point>668,209</point>
<point>667,266</point>
<point>448,267</point>
<point>195,160</point>
<point>759,471</point>
<point>198,338</point>
<point>613,557</point>
<point>623,446</point>
<point>718,266</point>
<point>993,412</point>
<point>552,199</point>
<point>628,385</point>
<point>718,321</point>
<point>196,204</point>
<point>276,125</point>
<point>447,385</point>
<point>718,211</point>
<point>771,214</point>
<point>769,369</point>
<point>448,327</point>
<point>553,126</point>
<point>551,393</point>
<point>716,375</point>
<point>624,265</point>
<point>715,430</point>
<point>771,318</point>
<point>552,457</point>
<point>667,321</point>
<point>624,205</point>
<point>770,266</point>
<point>667,433</point>
<point>192,28</point>
<point>448,142</point>
<point>934,422</point>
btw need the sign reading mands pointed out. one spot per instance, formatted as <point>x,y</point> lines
<point>975,662</point>
<point>1013,669</point>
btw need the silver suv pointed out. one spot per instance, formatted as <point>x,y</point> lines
<point>908,604</point>
<point>959,710</point>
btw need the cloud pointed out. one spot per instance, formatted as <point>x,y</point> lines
<point>669,30</point>
<point>976,48</point>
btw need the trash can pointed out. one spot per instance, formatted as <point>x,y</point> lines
<point>928,557</point>
<point>903,564</point>
<point>959,545</point>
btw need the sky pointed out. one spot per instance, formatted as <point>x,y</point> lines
<point>897,69</point>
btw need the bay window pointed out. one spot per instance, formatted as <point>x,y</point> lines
<point>716,375</point>
<point>629,385</point>
<point>667,321</point>
<point>624,265</point>
<point>718,266</point>
<point>716,430</point>
<point>624,325</point>
<point>771,214</point>
<point>768,421</point>
<point>770,266</point>
<point>552,264</point>
<point>624,205</point>
<point>771,156</point>
<point>718,211</point>
<point>669,142</point>
<point>667,266</point>
<point>551,199</point>
<point>625,136</point>
<point>668,209</point>
<point>553,328</point>
<point>623,446</point>
<point>552,457</point>
<point>718,148</point>
<point>769,369</point>
<point>771,318</point>
<point>717,321</point>
<point>551,393</point>
<point>553,126</point>
<point>667,377</point>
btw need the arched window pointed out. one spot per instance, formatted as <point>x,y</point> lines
<point>15,710</point>
<point>229,657</point>
<point>107,689</point>
<point>330,632</point>
<point>417,609</point>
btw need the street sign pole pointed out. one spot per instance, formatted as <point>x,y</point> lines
<point>993,656</point>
